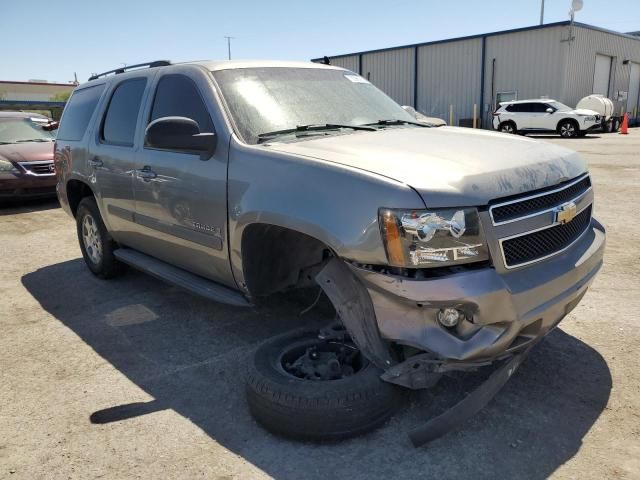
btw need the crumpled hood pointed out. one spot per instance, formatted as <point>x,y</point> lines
<point>27,152</point>
<point>448,166</point>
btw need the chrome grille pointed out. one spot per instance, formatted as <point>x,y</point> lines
<point>534,246</point>
<point>535,203</point>
<point>39,168</point>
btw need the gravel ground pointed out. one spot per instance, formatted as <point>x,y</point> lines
<point>131,378</point>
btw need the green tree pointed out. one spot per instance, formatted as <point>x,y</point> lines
<point>61,97</point>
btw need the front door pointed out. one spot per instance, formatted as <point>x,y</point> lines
<point>112,153</point>
<point>180,198</point>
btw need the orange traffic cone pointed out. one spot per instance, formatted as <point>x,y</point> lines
<point>625,125</point>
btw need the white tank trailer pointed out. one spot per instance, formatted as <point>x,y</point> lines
<point>604,106</point>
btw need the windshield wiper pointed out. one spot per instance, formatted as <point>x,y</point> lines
<point>398,122</point>
<point>34,140</point>
<point>311,128</point>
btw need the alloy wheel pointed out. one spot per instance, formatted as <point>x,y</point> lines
<point>91,239</point>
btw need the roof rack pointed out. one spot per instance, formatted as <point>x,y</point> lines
<point>157,63</point>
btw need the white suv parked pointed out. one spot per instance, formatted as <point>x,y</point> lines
<point>544,115</point>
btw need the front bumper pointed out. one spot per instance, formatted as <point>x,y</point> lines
<point>505,311</point>
<point>27,186</point>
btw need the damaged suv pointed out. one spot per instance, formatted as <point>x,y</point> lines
<point>440,248</point>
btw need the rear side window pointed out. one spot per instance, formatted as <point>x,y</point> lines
<point>78,112</point>
<point>119,126</point>
<point>178,96</point>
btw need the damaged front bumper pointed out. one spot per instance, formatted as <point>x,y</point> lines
<point>505,311</point>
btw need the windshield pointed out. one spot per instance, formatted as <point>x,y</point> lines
<point>270,99</point>
<point>21,130</point>
<point>561,107</point>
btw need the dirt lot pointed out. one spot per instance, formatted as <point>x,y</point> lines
<point>134,379</point>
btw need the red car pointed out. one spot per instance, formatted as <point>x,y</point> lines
<point>26,155</point>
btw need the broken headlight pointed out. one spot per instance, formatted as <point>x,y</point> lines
<point>429,238</point>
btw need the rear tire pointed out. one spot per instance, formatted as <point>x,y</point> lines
<point>314,409</point>
<point>615,125</point>
<point>96,244</point>
<point>508,127</point>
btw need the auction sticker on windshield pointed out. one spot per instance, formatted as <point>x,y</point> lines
<point>356,79</point>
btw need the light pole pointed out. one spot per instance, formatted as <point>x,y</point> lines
<point>541,12</point>
<point>228,46</point>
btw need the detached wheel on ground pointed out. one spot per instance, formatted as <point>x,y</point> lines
<point>304,387</point>
<point>96,244</point>
<point>568,129</point>
<point>508,127</point>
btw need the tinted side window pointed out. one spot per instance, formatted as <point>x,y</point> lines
<point>527,107</point>
<point>119,126</point>
<point>513,108</point>
<point>78,111</point>
<point>178,96</point>
<point>538,107</point>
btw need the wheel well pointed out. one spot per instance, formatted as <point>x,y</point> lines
<point>572,120</point>
<point>276,258</point>
<point>508,121</point>
<point>76,191</point>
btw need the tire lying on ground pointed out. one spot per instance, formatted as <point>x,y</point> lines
<point>310,408</point>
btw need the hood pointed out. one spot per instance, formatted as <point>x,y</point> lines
<point>584,111</point>
<point>448,166</point>
<point>27,152</point>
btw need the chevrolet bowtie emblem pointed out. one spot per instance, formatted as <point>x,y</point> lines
<point>565,212</point>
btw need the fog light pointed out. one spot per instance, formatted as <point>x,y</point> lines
<point>449,317</point>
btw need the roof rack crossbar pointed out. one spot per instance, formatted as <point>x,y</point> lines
<point>157,63</point>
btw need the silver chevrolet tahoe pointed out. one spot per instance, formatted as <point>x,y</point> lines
<point>435,249</point>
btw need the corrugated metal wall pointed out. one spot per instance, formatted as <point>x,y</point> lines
<point>533,63</point>
<point>392,72</point>
<point>350,62</point>
<point>582,58</point>
<point>530,63</point>
<point>449,74</point>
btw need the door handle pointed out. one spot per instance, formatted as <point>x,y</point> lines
<point>146,173</point>
<point>95,162</point>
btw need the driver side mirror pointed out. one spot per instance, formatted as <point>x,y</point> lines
<point>181,134</point>
<point>550,110</point>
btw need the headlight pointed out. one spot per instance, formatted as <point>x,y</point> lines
<point>7,167</point>
<point>421,238</point>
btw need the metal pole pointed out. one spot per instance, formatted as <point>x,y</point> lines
<point>228,47</point>
<point>475,115</point>
<point>541,12</point>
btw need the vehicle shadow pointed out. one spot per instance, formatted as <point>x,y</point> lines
<point>13,206</point>
<point>586,137</point>
<point>190,355</point>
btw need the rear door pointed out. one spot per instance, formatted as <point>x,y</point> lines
<point>181,199</point>
<point>112,152</point>
<point>602,74</point>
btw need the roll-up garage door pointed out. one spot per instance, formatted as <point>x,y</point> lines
<point>602,74</point>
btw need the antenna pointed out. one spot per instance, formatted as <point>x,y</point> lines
<point>576,6</point>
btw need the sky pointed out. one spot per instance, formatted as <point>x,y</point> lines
<point>52,39</point>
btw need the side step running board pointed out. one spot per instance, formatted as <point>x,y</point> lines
<point>181,278</point>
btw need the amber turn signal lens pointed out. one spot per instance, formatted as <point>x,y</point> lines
<point>395,252</point>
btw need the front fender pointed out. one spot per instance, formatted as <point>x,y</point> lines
<point>332,203</point>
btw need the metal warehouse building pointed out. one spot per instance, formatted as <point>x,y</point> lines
<point>561,60</point>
